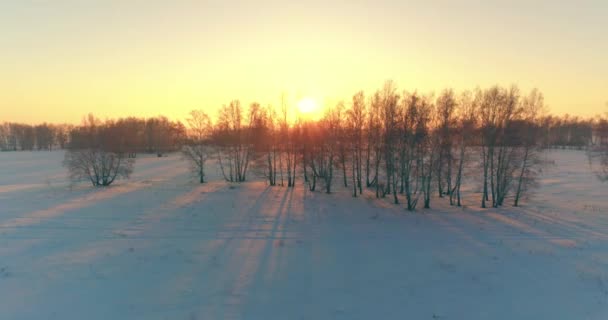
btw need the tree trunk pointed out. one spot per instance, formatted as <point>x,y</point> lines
<point>521,177</point>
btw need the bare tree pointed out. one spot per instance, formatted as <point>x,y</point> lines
<point>412,137</point>
<point>429,146</point>
<point>309,150</point>
<point>231,134</point>
<point>293,140</point>
<point>267,142</point>
<point>342,140</point>
<point>528,131</point>
<point>314,154</point>
<point>321,149</point>
<point>498,109</point>
<point>356,122</point>
<point>198,149</point>
<point>390,116</point>
<point>92,155</point>
<point>446,106</point>
<point>289,140</point>
<point>464,132</point>
<point>330,125</point>
<point>98,166</point>
<point>374,143</point>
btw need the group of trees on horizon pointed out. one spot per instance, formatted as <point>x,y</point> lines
<point>132,135</point>
<point>45,136</point>
<point>404,145</point>
<point>143,134</point>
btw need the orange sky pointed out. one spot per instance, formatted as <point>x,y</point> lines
<point>60,60</point>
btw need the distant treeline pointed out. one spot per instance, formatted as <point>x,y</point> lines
<point>130,135</point>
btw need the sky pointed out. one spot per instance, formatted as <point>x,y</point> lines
<point>60,60</point>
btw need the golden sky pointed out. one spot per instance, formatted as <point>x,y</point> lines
<point>60,60</point>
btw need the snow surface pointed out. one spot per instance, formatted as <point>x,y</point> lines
<point>160,246</point>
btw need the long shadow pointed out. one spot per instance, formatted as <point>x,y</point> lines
<point>231,258</point>
<point>90,198</point>
<point>255,268</point>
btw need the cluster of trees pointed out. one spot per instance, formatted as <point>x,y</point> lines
<point>568,132</point>
<point>404,145</point>
<point>102,151</point>
<point>18,136</point>
<point>408,146</point>
<point>133,135</point>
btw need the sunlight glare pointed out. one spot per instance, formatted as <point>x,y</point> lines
<point>308,106</point>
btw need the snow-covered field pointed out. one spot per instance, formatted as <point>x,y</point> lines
<point>160,246</point>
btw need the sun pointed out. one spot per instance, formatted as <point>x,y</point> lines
<point>308,106</point>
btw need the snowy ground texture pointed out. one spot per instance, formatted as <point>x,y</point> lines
<point>160,246</point>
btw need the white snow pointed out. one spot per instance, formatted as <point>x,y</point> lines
<point>160,246</point>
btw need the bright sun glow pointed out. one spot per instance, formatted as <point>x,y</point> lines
<point>308,106</point>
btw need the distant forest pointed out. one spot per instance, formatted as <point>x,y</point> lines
<point>403,145</point>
